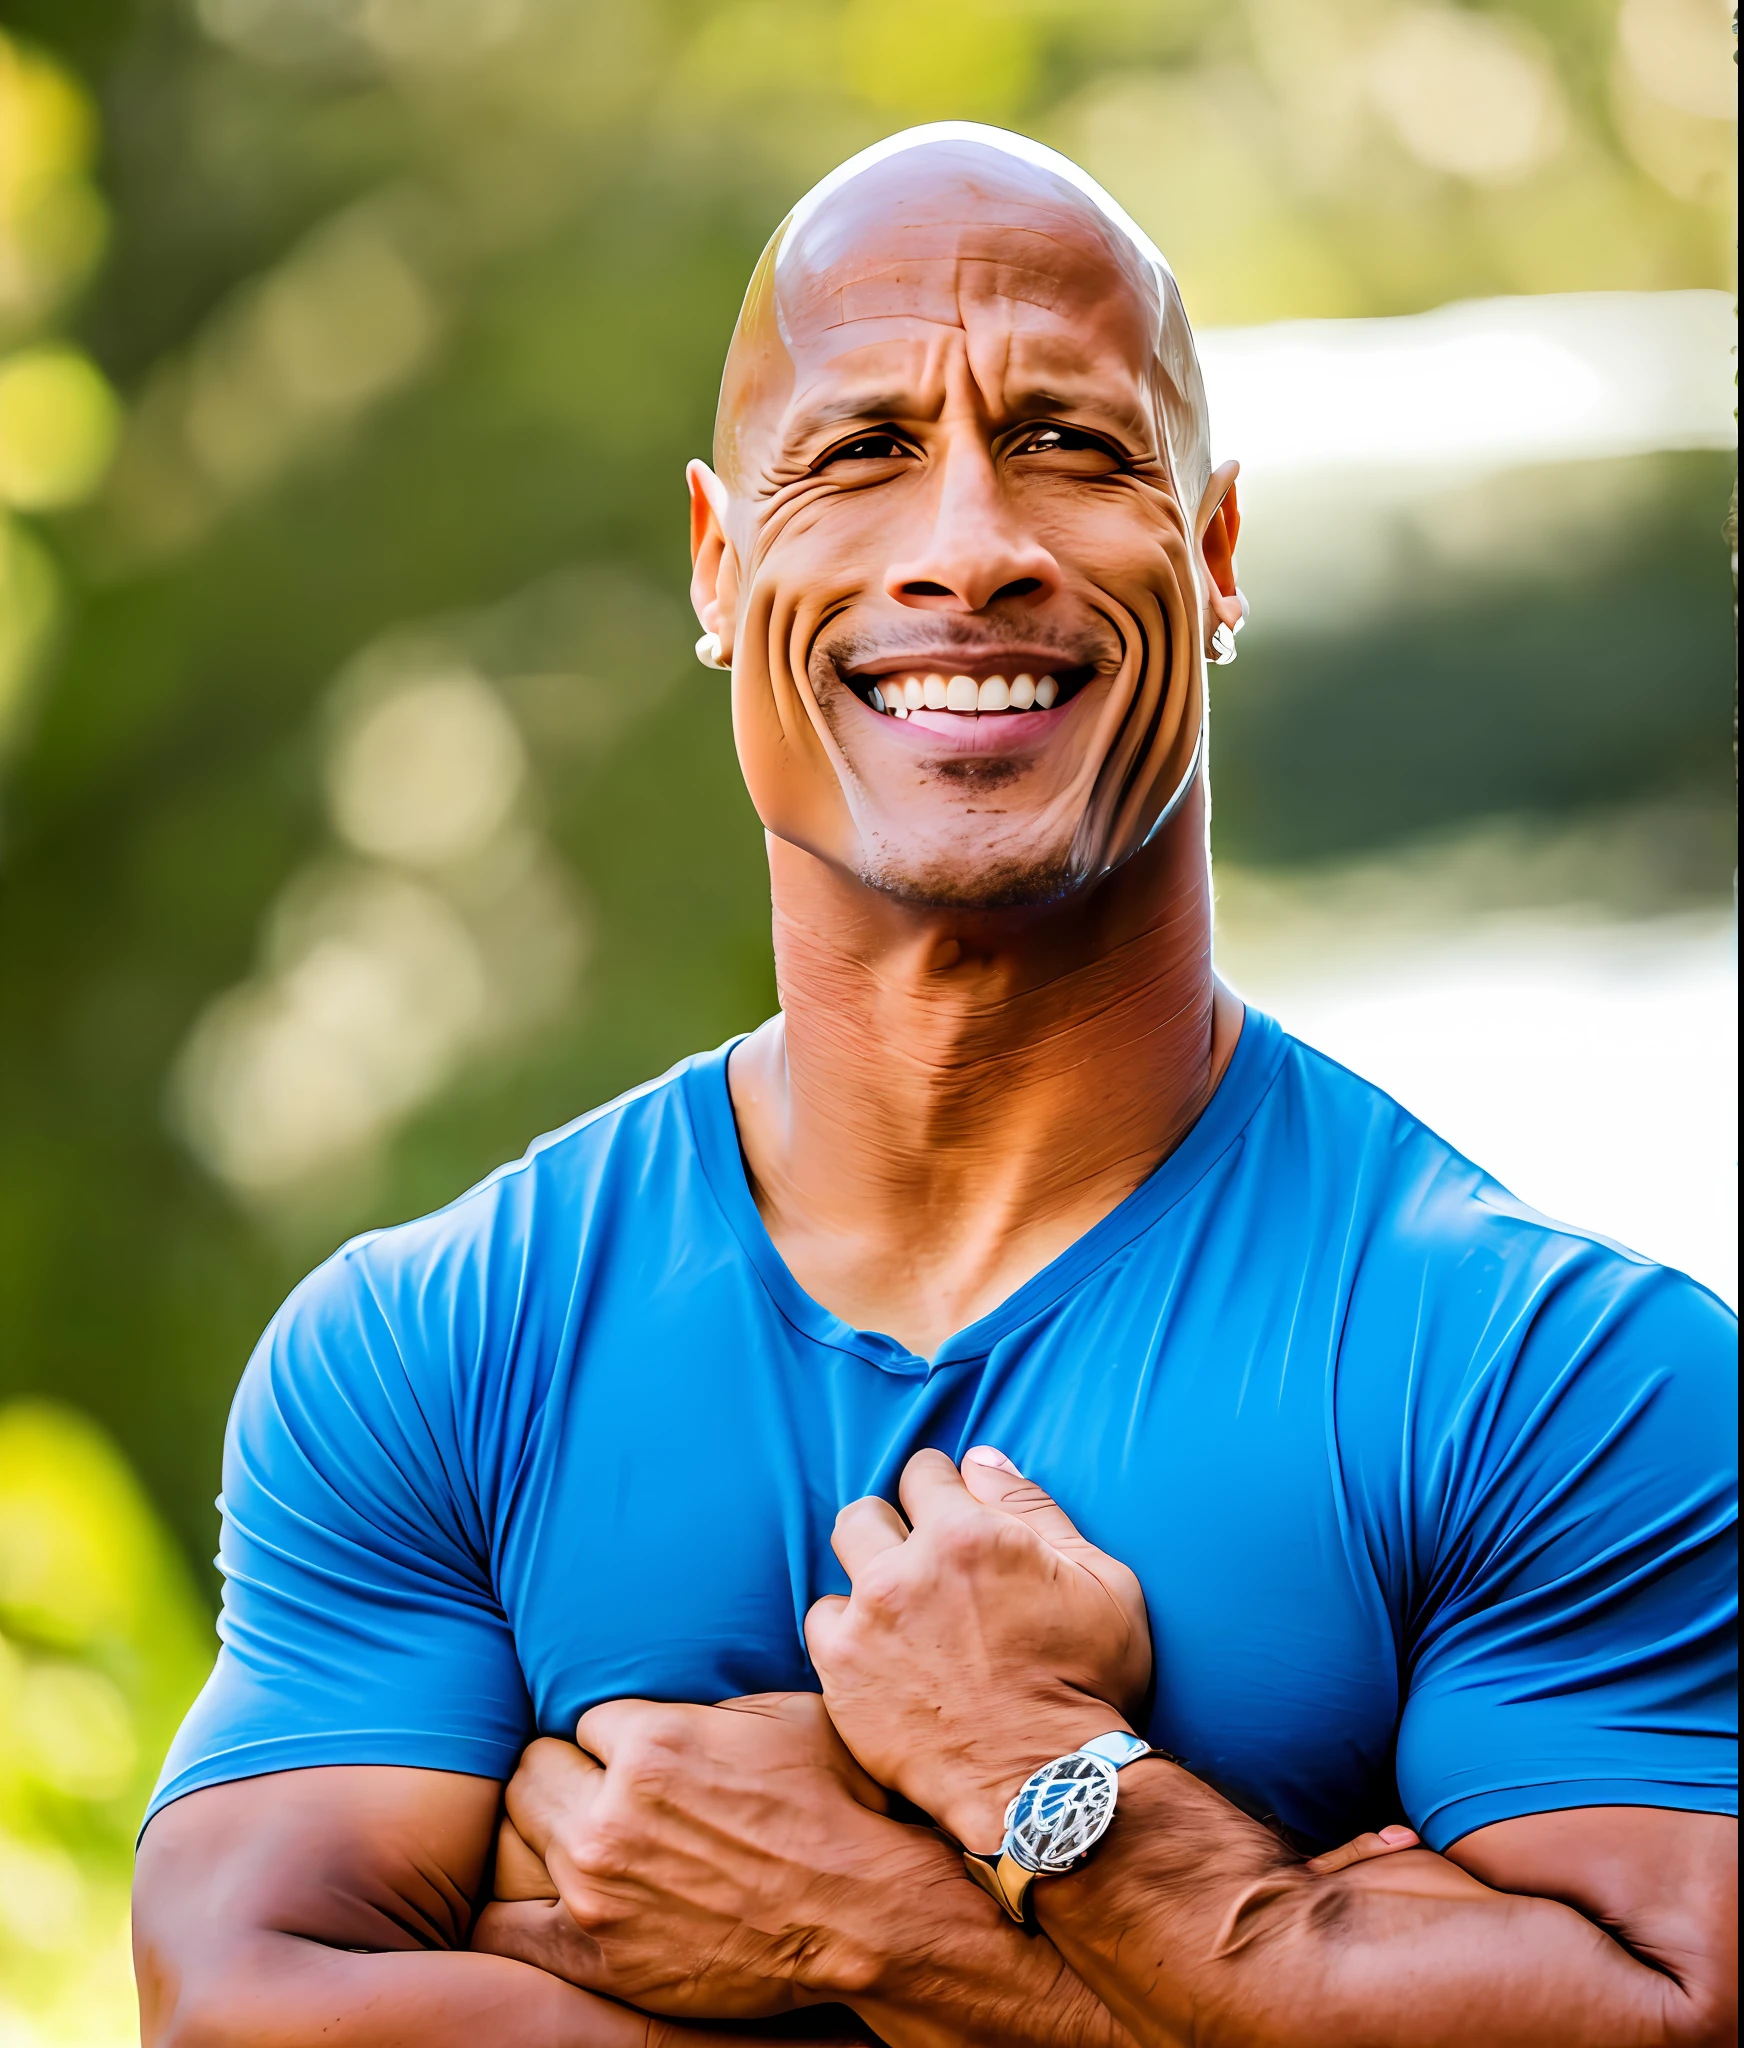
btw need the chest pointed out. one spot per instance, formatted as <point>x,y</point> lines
<point>672,1523</point>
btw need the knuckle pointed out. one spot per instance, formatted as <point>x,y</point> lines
<point>648,1779</point>
<point>537,1758</point>
<point>646,1766</point>
<point>605,1853</point>
<point>967,1541</point>
<point>880,1599</point>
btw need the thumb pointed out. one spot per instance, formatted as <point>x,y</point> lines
<point>997,1483</point>
<point>520,1869</point>
<point>553,1781</point>
<point>823,1622</point>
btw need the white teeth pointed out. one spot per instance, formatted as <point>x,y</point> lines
<point>962,694</point>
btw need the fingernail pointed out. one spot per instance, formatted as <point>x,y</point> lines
<point>985,1454</point>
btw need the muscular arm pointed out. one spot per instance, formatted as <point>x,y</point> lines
<point>1608,1928</point>
<point>951,1969</point>
<point>1604,1928</point>
<point>924,1958</point>
<point>334,1905</point>
<point>722,1862</point>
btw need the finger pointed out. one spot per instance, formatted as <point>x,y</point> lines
<point>930,1486</point>
<point>997,1483</point>
<point>823,1620</point>
<point>602,1729</point>
<point>520,1869</point>
<point>552,1783</point>
<point>1362,1849</point>
<point>863,1529</point>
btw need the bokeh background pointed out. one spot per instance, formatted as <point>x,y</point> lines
<point>363,813</point>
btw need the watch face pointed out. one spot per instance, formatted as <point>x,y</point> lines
<point>1061,1813</point>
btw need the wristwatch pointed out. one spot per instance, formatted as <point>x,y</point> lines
<point>1060,1813</point>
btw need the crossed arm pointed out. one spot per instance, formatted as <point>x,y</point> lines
<point>334,1906</point>
<point>337,1905</point>
<point>729,1862</point>
<point>740,1864</point>
<point>1603,1928</point>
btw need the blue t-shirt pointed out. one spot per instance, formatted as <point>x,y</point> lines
<point>1431,1499</point>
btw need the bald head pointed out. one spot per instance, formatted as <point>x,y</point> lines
<point>928,220</point>
<point>962,543</point>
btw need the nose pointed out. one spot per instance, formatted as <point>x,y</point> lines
<point>973,549</point>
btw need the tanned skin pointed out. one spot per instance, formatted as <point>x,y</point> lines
<point>998,1015</point>
<point>1609,1927</point>
<point>333,1907</point>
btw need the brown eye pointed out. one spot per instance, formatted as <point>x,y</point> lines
<point>1072,449</point>
<point>867,448</point>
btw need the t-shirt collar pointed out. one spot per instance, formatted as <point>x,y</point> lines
<point>1254,1064</point>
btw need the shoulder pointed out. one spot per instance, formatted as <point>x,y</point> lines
<point>1498,1371</point>
<point>1421,1206</point>
<point>1477,1312</point>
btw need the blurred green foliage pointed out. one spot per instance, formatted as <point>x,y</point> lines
<point>370,338</point>
<point>103,1643</point>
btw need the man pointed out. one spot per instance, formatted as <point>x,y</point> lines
<point>1420,1503</point>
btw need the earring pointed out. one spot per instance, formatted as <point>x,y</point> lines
<point>1223,646</point>
<point>709,652</point>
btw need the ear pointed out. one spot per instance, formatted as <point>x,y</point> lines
<point>1220,524</point>
<point>714,565</point>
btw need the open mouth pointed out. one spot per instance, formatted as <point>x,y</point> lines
<point>990,690</point>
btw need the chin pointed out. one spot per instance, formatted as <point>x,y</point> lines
<point>1010,882</point>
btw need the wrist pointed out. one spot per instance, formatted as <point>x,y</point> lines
<point>862,1917</point>
<point>973,1805</point>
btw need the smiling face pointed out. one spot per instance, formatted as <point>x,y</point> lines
<point>947,549</point>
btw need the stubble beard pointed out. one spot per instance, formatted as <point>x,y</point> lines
<point>974,879</point>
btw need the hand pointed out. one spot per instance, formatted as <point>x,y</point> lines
<point>695,1861</point>
<point>980,1642</point>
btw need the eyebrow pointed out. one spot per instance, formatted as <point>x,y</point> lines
<point>892,404</point>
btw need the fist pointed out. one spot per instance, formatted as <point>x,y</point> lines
<point>980,1639</point>
<point>688,1859</point>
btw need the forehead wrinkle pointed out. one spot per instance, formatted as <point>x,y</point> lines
<point>809,290</point>
<point>947,241</point>
<point>927,193</point>
<point>1018,283</point>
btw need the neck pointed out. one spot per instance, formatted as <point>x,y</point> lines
<point>948,1098</point>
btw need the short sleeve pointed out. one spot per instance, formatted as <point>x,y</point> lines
<point>359,1622</point>
<point>1576,1629</point>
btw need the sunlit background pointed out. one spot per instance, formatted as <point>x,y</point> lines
<point>362,812</point>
